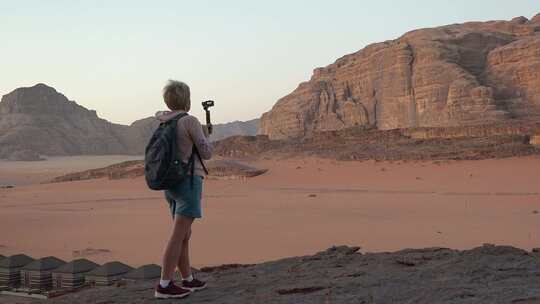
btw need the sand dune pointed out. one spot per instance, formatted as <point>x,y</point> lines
<point>296,208</point>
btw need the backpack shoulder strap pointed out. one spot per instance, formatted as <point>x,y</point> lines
<point>191,165</point>
<point>196,151</point>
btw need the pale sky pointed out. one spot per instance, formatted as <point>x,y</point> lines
<point>115,56</point>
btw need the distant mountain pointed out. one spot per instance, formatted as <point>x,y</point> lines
<point>222,131</point>
<point>146,127</point>
<point>39,120</point>
<point>42,120</point>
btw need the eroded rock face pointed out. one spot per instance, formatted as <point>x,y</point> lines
<point>463,74</point>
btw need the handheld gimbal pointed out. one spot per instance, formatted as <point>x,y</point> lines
<point>206,105</point>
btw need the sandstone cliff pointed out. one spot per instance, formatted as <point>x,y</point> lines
<point>455,75</point>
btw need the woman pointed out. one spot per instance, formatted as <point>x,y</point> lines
<point>185,198</point>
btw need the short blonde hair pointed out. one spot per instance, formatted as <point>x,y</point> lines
<point>176,95</point>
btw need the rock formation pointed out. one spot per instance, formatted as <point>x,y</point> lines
<point>231,169</point>
<point>339,275</point>
<point>450,143</point>
<point>461,74</point>
<point>40,121</point>
<point>217,169</point>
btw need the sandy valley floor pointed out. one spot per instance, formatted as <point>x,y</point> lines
<point>299,207</point>
<point>32,172</point>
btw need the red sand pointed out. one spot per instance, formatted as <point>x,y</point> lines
<point>378,206</point>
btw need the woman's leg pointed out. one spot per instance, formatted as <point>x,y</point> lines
<point>183,262</point>
<point>181,228</point>
<point>188,281</point>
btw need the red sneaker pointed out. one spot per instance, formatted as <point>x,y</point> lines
<point>194,285</point>
<point>171,291</point>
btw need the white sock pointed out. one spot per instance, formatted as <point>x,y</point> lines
<point>164,283</point>
<point>189,279</point>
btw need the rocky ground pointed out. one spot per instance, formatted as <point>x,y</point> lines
<point>359,143</point>
<point>487,274</point>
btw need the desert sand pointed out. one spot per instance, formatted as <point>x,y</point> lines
<point>298,207</point>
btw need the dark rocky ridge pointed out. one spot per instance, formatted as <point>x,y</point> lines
<point>422,144</point>
<point>217,169</point>
<point>487,274</point>
<point>39,120</point>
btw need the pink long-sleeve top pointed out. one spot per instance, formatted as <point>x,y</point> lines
<point>189,132</point>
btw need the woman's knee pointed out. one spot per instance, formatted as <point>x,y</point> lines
<point>188,236</point>
<point>182,226</point>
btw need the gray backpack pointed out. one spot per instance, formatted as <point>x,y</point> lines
<point>163,169</point>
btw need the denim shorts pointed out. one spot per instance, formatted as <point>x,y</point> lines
<point>185,198</point>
